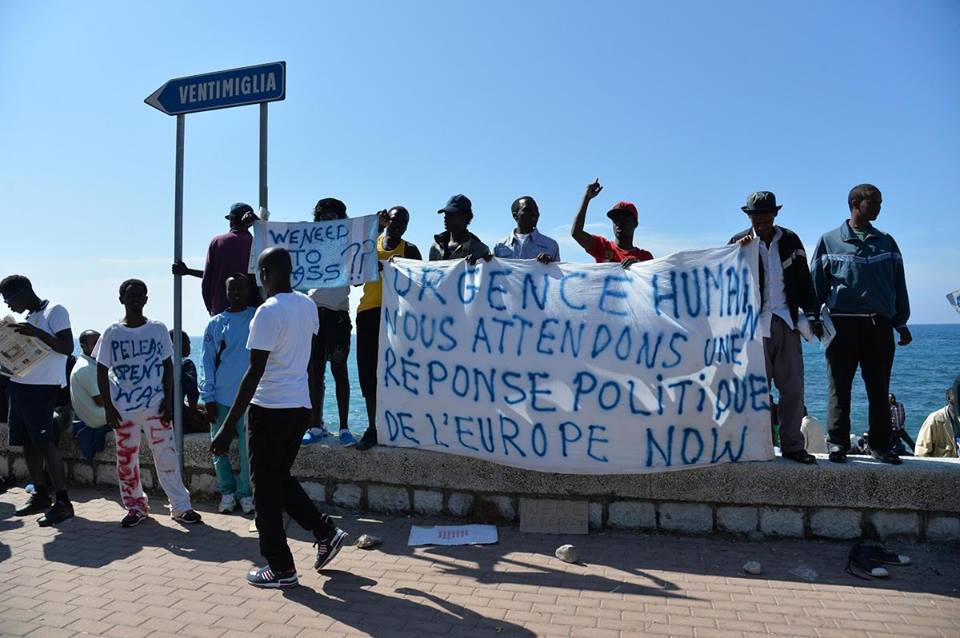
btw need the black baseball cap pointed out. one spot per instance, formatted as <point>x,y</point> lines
<point>238,210</point>
<point>457,204</point>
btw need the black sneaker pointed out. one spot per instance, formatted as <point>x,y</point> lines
<point>889,456</point>
<point>838,456</point>
<point>61,511</point>
<point>368,440</point>
<point>265,578</point>
<point>187,518</point>
<point>329,547</point>
<point>132,519</point>
<point>36,504</point>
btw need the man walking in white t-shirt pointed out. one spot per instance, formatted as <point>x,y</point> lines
<point>33,396</point>
<point>277,386</point>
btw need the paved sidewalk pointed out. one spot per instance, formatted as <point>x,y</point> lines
<point>91,577</point>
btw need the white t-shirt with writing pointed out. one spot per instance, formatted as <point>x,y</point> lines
<point>284,326</point>
<point>135,357</point>
<point>51,318</point>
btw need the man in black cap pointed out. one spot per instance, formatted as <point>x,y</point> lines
<point>785,288</point>
<point>456,242</point>
<point>227,254</point>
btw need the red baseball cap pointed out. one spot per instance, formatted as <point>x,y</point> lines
<point>621,207</point>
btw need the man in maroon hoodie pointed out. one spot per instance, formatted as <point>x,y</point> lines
<point>228,253</point>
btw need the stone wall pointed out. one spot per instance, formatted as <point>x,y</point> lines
<point>918,500</point>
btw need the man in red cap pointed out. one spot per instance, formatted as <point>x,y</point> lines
<point>624,217</point>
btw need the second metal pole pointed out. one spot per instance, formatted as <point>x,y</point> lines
<point>178,295</point>
<point>263,156</point>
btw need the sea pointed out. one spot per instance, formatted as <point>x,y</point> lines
<point>922,371</point>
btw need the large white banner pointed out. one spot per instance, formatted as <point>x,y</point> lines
<point>329,254</point>
<point>586,369</point>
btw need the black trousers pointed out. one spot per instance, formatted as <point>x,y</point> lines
<point>273,437</point>
<point>368,347</point>
<point>866,342</point>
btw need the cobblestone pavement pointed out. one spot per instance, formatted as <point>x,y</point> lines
<point>91,577</point>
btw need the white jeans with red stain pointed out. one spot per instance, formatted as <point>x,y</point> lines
<point>165,462</point>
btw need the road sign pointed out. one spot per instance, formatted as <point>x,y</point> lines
<point>222,89</point>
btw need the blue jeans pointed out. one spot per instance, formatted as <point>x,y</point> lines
<point>227,483</point>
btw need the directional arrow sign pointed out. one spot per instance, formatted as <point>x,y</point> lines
<point>222,89</point>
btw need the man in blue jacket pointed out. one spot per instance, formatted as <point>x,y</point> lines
<point>224,360</point>
<point>858,273</point>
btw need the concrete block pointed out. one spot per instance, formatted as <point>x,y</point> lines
<point>501,505</point>
<point>836,523</point>
<point>554,516</point>
<point>459,504</point>
<point>316,491</point>
<point>783,522</point>
<point>20,469</point>
<point>202,484</point>
<point>631,515</point>
<point>83,473</point>
<point>689,518</point>
<point>596,516</point>
<point>896,524</point>
<point>943,529</point>
<point>383,498</point>
<point>428,502</point>
<point>347,495</point>
<point>106,474</point>
<point>737,520</point>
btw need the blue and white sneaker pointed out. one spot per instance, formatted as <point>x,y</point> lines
<point>265,578</point>
<point>346,438</point>
<point>313,435</point>
<point>328,547</point>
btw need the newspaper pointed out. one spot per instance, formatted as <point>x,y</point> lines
<point>19,353</point>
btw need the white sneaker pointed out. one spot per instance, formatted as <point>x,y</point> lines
<point>228,503</point>
<point>246,504</point>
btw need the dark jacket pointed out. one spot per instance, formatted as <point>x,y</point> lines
<point>797,283</point>
<point>472,246</point>
<point>856,276</point>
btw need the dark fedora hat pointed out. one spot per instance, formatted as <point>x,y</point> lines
<point>761,202</point>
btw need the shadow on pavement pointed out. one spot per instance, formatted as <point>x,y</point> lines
<point>628,563</point>
<point>72,545</point>
<point>7,523</point>
<point>346,599</point>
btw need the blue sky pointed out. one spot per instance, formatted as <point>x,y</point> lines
<point>683,108</point>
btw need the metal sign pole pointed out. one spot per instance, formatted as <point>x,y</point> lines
<point>178,295</point>
<point>258,84</point>
<point>263,155</point>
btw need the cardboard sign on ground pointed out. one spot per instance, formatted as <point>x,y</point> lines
<point>453,535</point>
<point>548,516</point>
